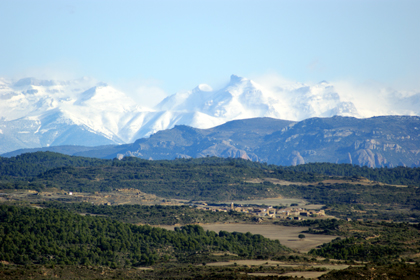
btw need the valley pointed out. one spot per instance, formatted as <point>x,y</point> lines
<point>318,220</point>
<point>237,140</point>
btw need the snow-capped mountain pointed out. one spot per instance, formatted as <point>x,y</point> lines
<point>39,113</point>
<point>243,98</point>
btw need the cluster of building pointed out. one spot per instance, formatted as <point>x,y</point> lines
<point>291,213</point>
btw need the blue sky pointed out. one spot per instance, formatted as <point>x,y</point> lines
<point>174,45</point>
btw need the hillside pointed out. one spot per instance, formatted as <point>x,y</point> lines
<point>342,187</point>
<point>77,234</point>
<point>50,236</point>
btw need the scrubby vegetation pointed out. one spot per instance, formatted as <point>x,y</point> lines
<point>62,238</point>
<point>152,215</point>
<point>396,176</point>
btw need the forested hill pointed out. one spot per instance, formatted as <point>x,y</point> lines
<point>51,236</point>
<point>207,178</point>
<point>398,175</point>
<point>32,164</point>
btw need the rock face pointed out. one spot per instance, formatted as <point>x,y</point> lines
<point>375,142</point>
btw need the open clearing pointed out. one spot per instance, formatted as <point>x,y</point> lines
<point>287,236</point>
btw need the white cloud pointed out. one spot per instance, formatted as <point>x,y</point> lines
<point>316,66</point>
<point>272,80</point>
<point>371,98</point>
<point>60,71</point>
<point>145,92</point>
<point>148,96</point>
<point>375,99</point>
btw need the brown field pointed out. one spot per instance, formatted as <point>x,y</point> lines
<point>299,274</point>
<point>287,236</point>
<point>305,274</point>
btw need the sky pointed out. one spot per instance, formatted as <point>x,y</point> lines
<point>150,49</point>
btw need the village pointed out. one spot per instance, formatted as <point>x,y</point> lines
<point>289,213</point>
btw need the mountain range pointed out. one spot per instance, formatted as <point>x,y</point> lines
<point>41,113</point>
<point>386,141</point>
<point>292,123</point>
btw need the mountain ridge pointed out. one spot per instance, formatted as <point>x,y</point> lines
<point>385,141</point>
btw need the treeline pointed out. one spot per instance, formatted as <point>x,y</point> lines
<point>192,179</point>
<point>53,236</point>
<point>151,215</point>
<point>211,179</point>
<point>32,164</point>
<point>355,249</point>
<point>367,241</point>
<point>353,194</point>
<point>398,175</point>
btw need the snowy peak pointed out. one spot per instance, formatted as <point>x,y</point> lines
<point>104,96</point>
<point>243,98</point>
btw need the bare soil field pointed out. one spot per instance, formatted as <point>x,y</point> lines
<point>287,236</point>
<point>299,274</point>
<point>305,274</point>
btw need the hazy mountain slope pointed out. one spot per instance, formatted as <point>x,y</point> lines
<point>234,139</point>
<point>65,149</point>
<point>375,142</point>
